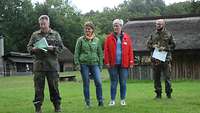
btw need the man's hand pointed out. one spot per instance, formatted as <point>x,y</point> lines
<point>50,48</point>
<point>161,48</point>
<point>35,50</point>
<point>155,46</point>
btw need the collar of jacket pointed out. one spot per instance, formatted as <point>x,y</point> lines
<point>87,38</point>
<point>163,30</point>
<point>121,35</point>
<point>50,31</point>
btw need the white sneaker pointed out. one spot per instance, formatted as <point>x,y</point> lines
<point>112,103</point>
<point>123,102</point>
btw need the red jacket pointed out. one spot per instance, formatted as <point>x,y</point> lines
<point>110,51</point>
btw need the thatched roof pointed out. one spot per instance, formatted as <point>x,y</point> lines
<point>66,56</point>
<point>18,57</point>
<point>186,32</point>
<point>17,54</point>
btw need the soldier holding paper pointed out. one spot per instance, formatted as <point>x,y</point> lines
<point>162,40</point>
<point>44,45</point>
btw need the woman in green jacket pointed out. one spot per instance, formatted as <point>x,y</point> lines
<point>89,56</point>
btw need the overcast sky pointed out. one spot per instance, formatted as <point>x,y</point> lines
<point>87,5</point>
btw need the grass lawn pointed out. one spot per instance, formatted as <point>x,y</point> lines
<point>16,95</point>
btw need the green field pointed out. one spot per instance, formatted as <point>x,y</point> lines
<point>16,95</point>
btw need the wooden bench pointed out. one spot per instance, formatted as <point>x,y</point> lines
<point>68,78</point>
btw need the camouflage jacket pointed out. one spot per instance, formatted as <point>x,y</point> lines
<point>46,61</point>
<point>162,39</point>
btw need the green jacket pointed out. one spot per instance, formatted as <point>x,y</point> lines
<point>46,61</point>
<point>162,39</point>
<point>88,51</point>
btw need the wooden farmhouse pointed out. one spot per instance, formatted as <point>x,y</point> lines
<point>186,57</point>
<point>16,63</point>
<point>66,60</point>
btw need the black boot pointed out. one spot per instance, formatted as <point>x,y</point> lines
<point>38,108</point>
<point>169,95</point>
<point>158,96</point>
<point>57,107</point>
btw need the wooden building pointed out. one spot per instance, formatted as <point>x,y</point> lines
<point>1,54</point>
<point>66,60</point>
<point>16,63</point>
<point>186,31</point>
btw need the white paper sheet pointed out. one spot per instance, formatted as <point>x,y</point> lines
<point>41,44</point>
<point>160,55</point>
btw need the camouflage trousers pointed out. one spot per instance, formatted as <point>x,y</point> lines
<point>159,69</point>
<point>39,85</point>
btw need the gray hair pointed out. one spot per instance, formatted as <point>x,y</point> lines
<point>44,17</point>
<point>118,21</point>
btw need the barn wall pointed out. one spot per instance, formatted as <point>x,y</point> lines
<point>185,66</point>
<point>68,66</point>
<point>141,72</point>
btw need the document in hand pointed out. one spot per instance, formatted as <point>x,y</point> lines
<point>160,55</point>
<point>41,44</point>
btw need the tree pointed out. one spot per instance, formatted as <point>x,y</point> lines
<point>125,11</point>
<point>15,21</point>
<point>195,6</point>
<point>178,8</point>
<point>19,18</point>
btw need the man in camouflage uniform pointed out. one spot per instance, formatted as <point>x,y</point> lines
<point>163,40</point>
<point>46,64</point>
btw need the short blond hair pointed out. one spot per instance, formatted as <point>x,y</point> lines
<point>90,24</point>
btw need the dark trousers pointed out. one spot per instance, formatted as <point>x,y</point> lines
<point>165,69</point>
<point>39,85</point>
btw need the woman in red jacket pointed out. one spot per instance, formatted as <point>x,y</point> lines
<point>118,57</point>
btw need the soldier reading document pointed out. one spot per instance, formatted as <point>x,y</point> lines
<point>45,45</point>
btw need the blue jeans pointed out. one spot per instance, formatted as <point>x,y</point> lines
<point>95,73</point>
<point>121,74</point>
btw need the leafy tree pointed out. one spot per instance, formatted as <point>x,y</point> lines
<point>125,11</point>
<point>15,22</point>
<point>19,18</point>
<point>195,6</point>
<point>178,8</point>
